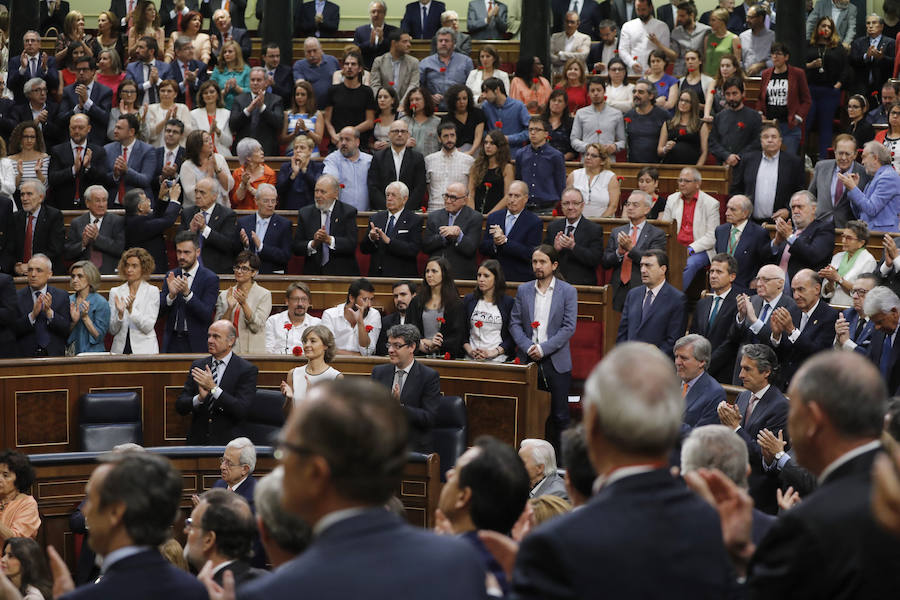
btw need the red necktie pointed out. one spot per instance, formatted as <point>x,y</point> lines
<point>838,192</point>
<point>78,175</point>
<point>237,314</point>
<point>211,119</point>
<point>187,90</point>
<point>625,273</point>
<point>121,197</point>
<point>29,237</point>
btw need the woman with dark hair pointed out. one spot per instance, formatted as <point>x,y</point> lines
<point>488,311</point>
<point>319,349</point>
<point>303,118</point>
<point>715,98</point>
<point>648,182</point>
<point>73,52</point>
<point>857,125</point>
<point>683,139</point>
<point>19,516</point>
<point>212,116</point>
<point>619,93</point>
<point>468,118</point>
<point>418,112</point>
<point>827,70</point>
<point>191,24</point>
<point>135,305</point>
<point>560,121</point>
<point>529,86</point>
<point>488,66</point>
<point>25,565</point>
<point>695,79</point>
<point>28,153</point>
<point>246,304</point>
<point>145,23</point>
<point>574,84</point>
<point>201,161</point>
<point>88,309</point>
<point>108,36</point>
<point>388,102</point>
<point>491,174</point>
<point>128,104</point>
<point>666,85</point>
<point>437,311</point>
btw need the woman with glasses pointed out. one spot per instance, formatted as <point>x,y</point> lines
<point>250,175</point>
<point>128,104</point>
<point>319,350</point>
<point>437,311</point>
<point>846,265</point>
<point>134,306</point>
<point>491,174</point>
<point>857,125</point>
<point>683,140</point>
<point>246,305</point>
<point>598,185</point>
<point>619,92</point>
<point>890,137</point>
<point>488,311</point>
<point>88,309</point>
<point>28,153</point>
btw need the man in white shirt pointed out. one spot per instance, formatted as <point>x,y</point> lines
<point>447,165</point>
<point>687,35</point>
<point>351,168</point>
<point>284,330</point>
<point>640,36</point>
<point>354,323</point>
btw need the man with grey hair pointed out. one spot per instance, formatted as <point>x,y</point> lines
<point>540,463</point>
<point>284,535</point>
<point>215,224</point>
<point>872,58</point>
<point>36,229</point>
<point>372,38</point>
<point>462,42</point>
<point>761,406</point>
<point>854,328</point>
<point>696,215</point>
<point>317,68</point>
<point>396,162</point>
<point>879,205</point>
<point>265,233</point>
<point>326,232</point>
<point>743,239</point>
<point>188,72</point>
<point>702,394</point>
<point>43,322</point>
<point>439,71</point>
<point>257,113</point>
<point>236,467</point>
<point>830,543</point>
<point>395,236</point>
<point>218,391</point>
<point>804,242</point>
<point>351,168</point>
<point>717,447</point>
<point>96,235</point>
<point>632,417</point>
<point>41,110</point>
<point>883,307</point>
<point>626,245</point>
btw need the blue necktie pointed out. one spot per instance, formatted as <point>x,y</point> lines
<point>645,309</point>
<point>390,227</point>
<point>510,221</point>
<point>886,352</point>
<point>715,310</point>
<point>326,249</point>
<point>765,313</point>
<point>41,331</point>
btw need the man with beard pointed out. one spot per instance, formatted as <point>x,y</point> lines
<point>735,129</point>
<point>284,330</point>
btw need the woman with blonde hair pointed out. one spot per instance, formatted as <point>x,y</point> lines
<point>109,70</point>
<point>159,113</point>
<point>319,349</point>
<point>544,508</point>
<point>246,304</point>
<point>212,117</point>
<point>88,309</point>
<point>135,305</point>
<point>232,75</point>
<point>598,185</point>
<point>719,42</point>
<point>71,36</point>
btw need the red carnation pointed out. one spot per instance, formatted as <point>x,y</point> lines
<point>555,213</point>
<point>661,84</point>
<point>599,131</point>
<point>443,69</point>
<point>604,98</point>
<point>479,324</point>
<point>480,68</point>
<point>682,131</point>
<point>535,80</point>
<point>297,351</point>
<point>712,91</point>
<point>620,178</point>
<point>691,70</point>
<point>446,356</point>
<point>342,186</point>
<point>874,93</point>
<point>714,44</point>
<point>741,124</point>
<point>441,320</point>
<point>498,124</point>
<point>424,208</point>
<point>627,119</point>
<point>535,324</point>
<point>369,328</point>
<point>288,326</point>
<point>488,185</point>
<point>635,58</point>
<point>616,51</point>
<point>517,361</point>
<point>391,83</point>
<point>377,121</point>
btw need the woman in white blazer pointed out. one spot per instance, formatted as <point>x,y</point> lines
<point>211,116</point>
<point>134,306</point>
<point>706,219</point>
<point>247,304</point>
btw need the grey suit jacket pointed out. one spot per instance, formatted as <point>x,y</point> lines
<point>383,73</point>
<point>478,28</point>
<point>558,54</point>
<point>820,187</point>
<point>460,253</point>
<point>110,242</point>
<point>553,485</point>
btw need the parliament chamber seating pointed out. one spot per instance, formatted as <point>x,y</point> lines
<point>107,419</point>
<point>450,431</point>
<point>267,417</point>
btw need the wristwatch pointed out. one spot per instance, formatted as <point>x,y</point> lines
<point>778,455</point>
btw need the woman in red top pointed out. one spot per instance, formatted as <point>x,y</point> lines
<point>252,172</point>
<point>575,75</point>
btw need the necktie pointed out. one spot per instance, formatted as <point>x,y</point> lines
<point>260,231</point>
<point>645,309</point>
<point>178,22</point>
<point>78,151</point>
<point>390,226</point>
<point>326,250</point>
<point>450,218</point>
<point>397,388</point>
<point>216,363</point>
<point>715,310</point>
<point>96,256</point>
<point>490,5</point>
<point>625,272</point>
<point>120,199</point>
<point>180,319</point>
<point>254,120</point>
<point>41,332</point>
<point>750,407</point>
<point>785,259</point>
<point>187,89</point>
<point>29,239</point>
<point>33,62</point>
<point>684,390</point>
<point>765,312</point>
<point>860,325</point>
<point>510,220</point>
<point>886,352</point>
<point>130,7</point>
<point>732,240</point>
<point>838,192</point>
<point>170,158</point>
<point>424,18</point>
<point>569,230</point>
<point>804,319</point>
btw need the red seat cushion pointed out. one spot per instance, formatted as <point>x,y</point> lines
<point>586,347</point>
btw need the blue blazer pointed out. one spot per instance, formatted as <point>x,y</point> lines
<point>9,312</point>
<point>879,204</point>
<point>135,72</point>
<point>198,313</point>
<point>140,174</point>
<point>752,250</point>
<point>412,20</point>
<point>515,254</point>
<point>818,335</point>
<point>560,327</point>
<point>276,250</point>
<point>505,304</point>
<point>864,340</point>
<point>245,490</point>
<point>377,548</point>
<point>175,73</point>
<point>662,327</point>
<point>702,401</point>
<point>769,413</point>
<point>98,114</point>
<point>16,82</point>
<point>58,327</point>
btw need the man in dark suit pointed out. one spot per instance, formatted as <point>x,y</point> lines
<point>771,187</point>
<point>809,244</point>
<point>145,230</point>
<point>372,38</point>
<point>326,232</point>
<point>539,458</point>
<point>148,488</point>
<point>39,109</point>
<point>130,163</point>
<point>218,391</point>
<point>804,330</point>
<point>257,114</point>
<point>541,328</point>
<point>147,71</point>
<point>626,245</point>
<point>454,232</point>
<point>654,312</point>
<point>42,324</point>
<point>53,14</point>
<point>702,394</point>
<point>236,467</point>
<point>666,14</point>
<point>511,234</point>
<point>744,240</point>
<point>854,329</point>
<point>279,78</point>
<point>579,241</point>
<point>832,196</point>
<point>31,63</point>
<point>223,30</point>
<point>872,59</point>
<point>36,229</point>
<point>715,312</point>
<point>265,233</point>
<point>422,19</point>
<point>416,387</point>
<point>642,507</point>
<point>188,299</point>
<point>402,292</point>
<point>169,158</point>
<point>383,168</point>
<point>96,235</point>
<point>883,307</point>
<point>236,9</point>
<point>7,251</point>
<point>215,225</point>
<point>395,236</point>
<point>830,543</point>
<point>320,18</point>
<point>361,468</point>
<point>762,406</point>
<point>9,312</point>
<point>87,97</point>
<point>187,72</point>
<point>75,165</point>
<point>590,15</point>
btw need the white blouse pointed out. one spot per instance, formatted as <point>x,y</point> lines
<point>595,192</point>
<point>620,97</point>
<point>302,382</point>
<point>488,334</point>
<point>191,174</point>
<point>156,115</point>
<point>222,141</point>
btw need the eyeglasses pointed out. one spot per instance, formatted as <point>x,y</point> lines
<point>282,447</point>
<point>859,292</point>
<point>224,462</point>
<point>395,346</point>
<point>242,269</point>
<point>399,131</point>
<point>452,197</point>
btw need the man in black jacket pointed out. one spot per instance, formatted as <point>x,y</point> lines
<point>216,226</point>
<point>395,236</point>
<point>326,232</point>
<point>383,168</point>
<point>578,240</point>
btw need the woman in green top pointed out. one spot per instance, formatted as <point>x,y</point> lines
<point>845,266</point>
<point>719,42</point>
<point>232,75</point>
